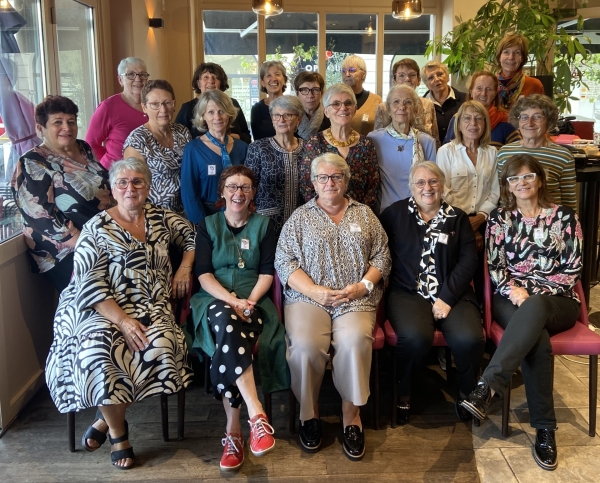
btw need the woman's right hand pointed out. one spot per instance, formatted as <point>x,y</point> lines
<point>133,332</point>
<point>327,296</point>
<point>242,305</point>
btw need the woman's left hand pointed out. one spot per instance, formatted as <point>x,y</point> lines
<point>440,309</point>
<point>478,241</point>
<point>353,291</point>
<point>518,295</point>
<point>476,221</point>
<point>181,281</point>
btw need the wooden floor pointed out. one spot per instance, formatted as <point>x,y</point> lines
<point>434,447</point>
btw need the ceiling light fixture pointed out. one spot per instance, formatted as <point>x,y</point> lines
<point>268,8</point>
<point>407,9</point>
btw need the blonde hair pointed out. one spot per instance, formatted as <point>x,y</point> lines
<point>485,139</point>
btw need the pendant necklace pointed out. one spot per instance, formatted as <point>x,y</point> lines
<point>401,146</point>
<point>241,263</point>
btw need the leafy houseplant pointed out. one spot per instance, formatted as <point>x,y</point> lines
<point>471,45</point>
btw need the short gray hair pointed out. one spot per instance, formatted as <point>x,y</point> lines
<point>355,61</point>
<point>287,103</point>
<point>220,99</point>
<point>433,64</point>
<point>410,92</point>
<point>130,164</point>
<point>338,89</point>
<point>331,159</point>
<point>432,168</point>
<point>127,61</point>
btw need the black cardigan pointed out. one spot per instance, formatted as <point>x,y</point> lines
<point>240,126</point>
<point>455,262</point>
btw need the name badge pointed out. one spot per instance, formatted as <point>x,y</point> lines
<point>365,118</point>
<point>245,244</point>
<point>355,228</point>
<point>212,169</point>
<point>443,238</point>
<point>161,251</point>
<point>538,233</point>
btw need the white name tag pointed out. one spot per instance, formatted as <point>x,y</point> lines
<point>443,238</point>
<point>365,118</point>
<point>355,228</point>
<point>161,251</point>
<point>212,169</point>
<point>245,244</point>
<point>538,233</point>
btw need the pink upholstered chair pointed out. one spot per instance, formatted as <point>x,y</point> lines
<point>579,340</point>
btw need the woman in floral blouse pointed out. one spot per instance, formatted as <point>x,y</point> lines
<point>534,257</point>
<point>58,186</point>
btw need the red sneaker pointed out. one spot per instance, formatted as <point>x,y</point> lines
<point>261,435</point>
<point>233,451</point>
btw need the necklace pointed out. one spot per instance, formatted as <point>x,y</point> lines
<point>65,157</point>
<point>336,143</point>
<point>241,263</point>
<point>532,216</point>
<point>401,146</point>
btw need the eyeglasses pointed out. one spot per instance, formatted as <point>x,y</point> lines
<point>420,183</point>
<point>535,118</point>
<point>405,102</point>
<point>232,188</point>
<point>324,178</point>
<point>351,70</point>
<point>402,76</point>
<point>288,116</point>
<point>476,119</point>
<point>123,183</point>
<point>157,105</point>
<point>133,75</point>
<point>338,104</point>
<point>306,90</point>
<point>528,178</point>
<point>436,75</point>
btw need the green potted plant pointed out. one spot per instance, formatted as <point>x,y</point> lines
<point>471,45</point>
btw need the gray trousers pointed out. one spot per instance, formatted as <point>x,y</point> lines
<point>310,332</point>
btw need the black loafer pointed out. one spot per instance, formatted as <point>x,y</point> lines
<point>478,402</point>
<point>402,413</point>
<point>544,450</point>
<point>354,442</point>
<point>310,435</point>
<point>461,412</point>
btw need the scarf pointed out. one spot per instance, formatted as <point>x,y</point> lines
<point>417,155</point>
<point>496,117</point>
<point>310,127</point>
<point>509,89</point>
<point>224,154</point>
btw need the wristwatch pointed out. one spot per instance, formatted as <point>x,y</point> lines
<point>368,284</point>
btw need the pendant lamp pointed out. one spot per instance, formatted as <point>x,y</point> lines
<point>407,9</point>
<point>268,7</point>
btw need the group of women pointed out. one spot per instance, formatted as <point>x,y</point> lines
<point>325,206</point>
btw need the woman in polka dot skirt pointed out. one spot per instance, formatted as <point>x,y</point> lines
<point>234,264</point>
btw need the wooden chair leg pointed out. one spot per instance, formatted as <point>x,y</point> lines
<point>292,422</point>
<point>71,430</point>
<point>394,388</point>
<point>164,413</point>
<point>506,410</point>
<point>593,393</point>
<point>375,371</point>
<point>180,413</point>
<point>268,407</point>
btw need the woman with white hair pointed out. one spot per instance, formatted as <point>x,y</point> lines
<point>354,73</point>
<point>331,295</point>
<point>400,145</point>
<point>274,161</point>
<point>357,150</point>
<point>120,114</point>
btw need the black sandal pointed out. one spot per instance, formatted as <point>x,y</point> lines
<point>93,433</point>
<point>121,453</point>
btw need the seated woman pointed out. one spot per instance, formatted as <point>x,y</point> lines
<point>205,158</point>
<point>534,252</point>
<point>400,145</point>
<point>331,294</point>
<point>309,87</point>
<point>58,186</point>
<point>275,160</point>
<point>433,262</point>
<point>235,251</point>
<point>118,299</point>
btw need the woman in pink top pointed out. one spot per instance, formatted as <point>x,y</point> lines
<point>120,114</point>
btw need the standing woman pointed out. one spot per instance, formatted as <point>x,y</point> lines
<point>357,150</point>
<point>160,143</point>
<point>400,144</point>
<point>58,186</point>
<point>511,56</point>
<point>207,156</point>
<point>274,162</point>
<point>120,114</point>
<point>406,71</point>
<point>484,89</point>
<point>534,251</point>
<point>273,80</point>
<point>212,76</point>
<point>309,87</point>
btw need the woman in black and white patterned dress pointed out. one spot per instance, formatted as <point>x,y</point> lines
<point>160,143</point>
<point>115,337</point>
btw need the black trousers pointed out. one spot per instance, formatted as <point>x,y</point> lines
<point>526,342</point>
<point>412,319</point>
<point>61,274</point>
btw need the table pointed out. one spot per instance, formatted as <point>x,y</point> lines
<point>589,198</point>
